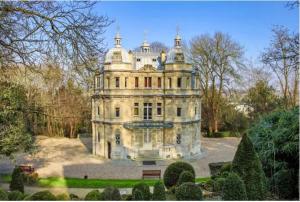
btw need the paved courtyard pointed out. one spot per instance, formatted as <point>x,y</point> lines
<point>72,158</point>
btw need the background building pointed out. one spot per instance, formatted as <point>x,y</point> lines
<point>146,105</point>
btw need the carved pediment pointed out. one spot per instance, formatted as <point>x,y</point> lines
<point>147,68</point>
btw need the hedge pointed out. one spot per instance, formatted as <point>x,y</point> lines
<point>234,188</point>
<point>188,192</point>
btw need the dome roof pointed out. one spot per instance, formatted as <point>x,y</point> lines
<point>124,55</point>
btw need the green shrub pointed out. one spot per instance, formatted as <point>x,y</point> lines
<point>73,197</point>
<point>173,171</point>
<point>3,195</point>
<point>111,194</point>
<point>15,196</point>
<point>63,197</point>
<point>127,197</point>
<point>234,189</point>
<point>185,176</point>
<point>218,184</point>
<point>42,196</point>
<point>144,189</point>
<point>284,184</point>
<point>159,193</point>
<point>94,195</point>
<point>208,185</point>
<point>27,197</point>
<point>137,195</point>
<point>17,180</point>
<point>188,192</point>
<point>248,166</point>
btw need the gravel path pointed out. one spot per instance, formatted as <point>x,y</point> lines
<point>72,158</point>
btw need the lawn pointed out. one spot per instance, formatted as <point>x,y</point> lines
<point>91,183</point>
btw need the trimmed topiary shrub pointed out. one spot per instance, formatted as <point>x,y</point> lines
<point>42,196</point>
<point>3,195</point>
<point>111,194</point>
<point>185,176</point>
<point>137,195</point>
<point>16,182</point>
<point>159,193</point>
<point>248,166</point>
<point>218,184</point>
<point>173,172</point>
<point>63,197</point>
<point>15,196</point>
<point>144,189</point>
<point>234,189</point>
<point>73,197</point>
<point>188,192</point>
<point>94,195</point>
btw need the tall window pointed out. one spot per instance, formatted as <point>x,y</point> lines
<point>178,111</point>
<point>136,109</point>
<point>178,138</point>
<point>147,136</point>
<point>117,82</point>
<point>97,82</point>
<point>170,82</point>
<point>126,79</point>
<point>117,111</point>
<point>147,111</point>
<point>159,109</point>
<point>98,110</point>
<point>148,82</point>
<point>187,82</point>
<point>136,82</point>
<point>98,136</point>
<point>159,82</point>
<point>178,82</point>
<point>195,111</point>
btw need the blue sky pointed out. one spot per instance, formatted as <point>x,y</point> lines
<point>248,23</point>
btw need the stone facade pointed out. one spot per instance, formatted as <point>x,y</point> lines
<point>146,105</point>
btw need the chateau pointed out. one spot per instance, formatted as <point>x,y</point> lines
<point>146,104</point>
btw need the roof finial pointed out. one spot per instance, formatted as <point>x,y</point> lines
<point>177,30</point>
<point>118,38</point>
<point>145,35</point>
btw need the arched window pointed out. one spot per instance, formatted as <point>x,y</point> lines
<point>118,137</point>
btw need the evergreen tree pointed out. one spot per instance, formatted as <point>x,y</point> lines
<point>17,183</point>
<point>248,166</point>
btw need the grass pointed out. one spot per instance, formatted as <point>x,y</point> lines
<point>91,183</point>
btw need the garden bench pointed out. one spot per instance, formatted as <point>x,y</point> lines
<point>26,169</point>
<point>151,173</point>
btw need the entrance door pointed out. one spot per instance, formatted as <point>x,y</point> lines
<point>108,150</point>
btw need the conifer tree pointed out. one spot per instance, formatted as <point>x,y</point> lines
<point>248,166</point>
<point>17,183</point>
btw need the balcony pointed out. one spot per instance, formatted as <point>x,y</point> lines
<point>148,124</point>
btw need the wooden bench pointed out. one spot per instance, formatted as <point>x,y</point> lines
<point>26,169</point>
<point>151,173</point>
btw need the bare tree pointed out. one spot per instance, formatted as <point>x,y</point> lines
<point>155,46</point>
<point>282,56</point>
<point>217,59</point>
<point>32,31</point>
<point>293,4</point>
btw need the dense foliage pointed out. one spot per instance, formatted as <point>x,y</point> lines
<point>15,196</point>
<point>276,140</point>
<point>159,193</point>
<point>137,195</point>
<point>111,194</point>
<point>17,183</point>
<point>188,192</point>
<point>94,195</point>
<point>3,195</point>
<point>14,135</point>
<point>63,197</point>
<point>42,196</point>
<point>185,176</point>
<point>247,165</point>
<point>173,172</point>
<point>144,189</point>
<point>234,188</point>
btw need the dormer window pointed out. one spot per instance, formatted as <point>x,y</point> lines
<point>179,57</point>
<point>138,59</point>
<point>154,60</point>
<point>117,57</point>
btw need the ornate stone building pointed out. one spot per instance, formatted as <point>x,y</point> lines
<point>146,104</point>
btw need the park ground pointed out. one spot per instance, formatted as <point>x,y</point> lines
<point>72,158</point>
